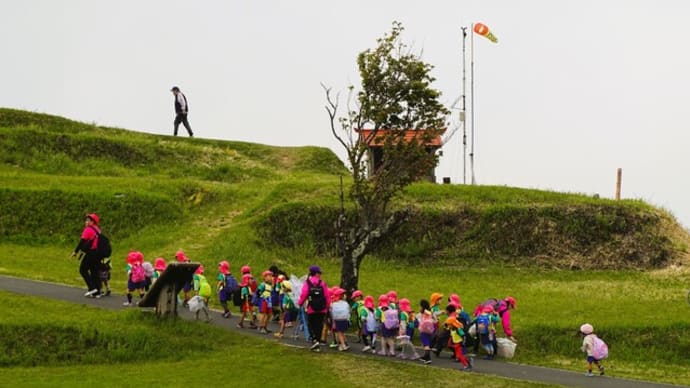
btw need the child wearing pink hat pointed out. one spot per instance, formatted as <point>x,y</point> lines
<point>486,329</point>
<point>390,324</point>
<point>181,257</point>
<point>367,315</point>
<point>357,303</point>
<point>202,289</point>
<point>246,307</point>
<point>406,331</point>
<point>136,277</point>
<point>595,349</point>
<point>340,313</point>
<point>159,265</point>
<point>227,286</point>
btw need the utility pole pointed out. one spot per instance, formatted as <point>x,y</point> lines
<point>474,181</point>
<point>463,112</point>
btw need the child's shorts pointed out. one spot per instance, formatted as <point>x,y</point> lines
<point>341,325</point>
<point>591,359</point>
<point>265,306</point>
<point>223,296</point>
<point>388,333</point>
<point>187,287</point>
<point>104,275</point>
<point>136,286</point>
<point>426,338</point>
<point>289,316</point>
<point>246,307</point>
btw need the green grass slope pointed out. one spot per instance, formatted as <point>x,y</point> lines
<point>261,205</point>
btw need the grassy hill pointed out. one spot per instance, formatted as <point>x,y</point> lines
<point>262,205</point>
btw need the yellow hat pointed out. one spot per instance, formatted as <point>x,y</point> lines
<point>435,297</point>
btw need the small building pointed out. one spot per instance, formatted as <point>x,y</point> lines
<point>375,147</point>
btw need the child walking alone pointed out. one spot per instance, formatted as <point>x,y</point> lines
<point>595,349</point>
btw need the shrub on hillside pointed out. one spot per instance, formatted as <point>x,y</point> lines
<point>591,236</point>
<point>38,215</point>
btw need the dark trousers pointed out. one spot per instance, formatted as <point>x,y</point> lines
<point>182,118</point>
<point>441,341</point>
<point>89,271</point>
<point>315,324</point>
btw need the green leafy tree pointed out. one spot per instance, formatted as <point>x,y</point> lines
<point>395,99</point>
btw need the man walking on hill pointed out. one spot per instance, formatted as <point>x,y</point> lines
<point>181,110</point>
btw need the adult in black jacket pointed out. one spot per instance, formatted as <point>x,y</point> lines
<point>91,260</point>
<point>181,111</point>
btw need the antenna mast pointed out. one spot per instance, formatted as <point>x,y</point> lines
<point>463,111</point>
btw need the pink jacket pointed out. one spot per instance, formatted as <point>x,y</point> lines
<point>304,294</point>
<point>504,312</point>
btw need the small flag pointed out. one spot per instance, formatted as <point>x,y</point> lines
<point>483,30</point>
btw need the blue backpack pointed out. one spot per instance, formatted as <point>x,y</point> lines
<point>231,284</point>
<point>483,323</point>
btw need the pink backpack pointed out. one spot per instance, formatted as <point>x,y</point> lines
<point>600,350</point>
<point>138,273</point>
<point>427,324</point>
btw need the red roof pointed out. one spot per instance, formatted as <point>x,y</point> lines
<point>410,134</point>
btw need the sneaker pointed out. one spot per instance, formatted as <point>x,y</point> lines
<point>601,370</point>
<point>467,368</point>
<point>414,357</point>
<point>402,356</point>
<point>381,353</point>
<point>98,295</point>
<point>239,326</point>
<point>334,345</point>
<point>343,348</point>
<point>227,314</point>
<point>315,345</point>
<point>589,374</point>
<point>427,362</point>
<point>263,330</point>
<point>392,354</point>
<point>107,293</point>
<point>89,293</point>
<point>127,304</point>
<point>366,348</point>
<point>278,335</point>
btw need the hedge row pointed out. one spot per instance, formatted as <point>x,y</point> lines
<point>583,236</point>
<point>54,215</point>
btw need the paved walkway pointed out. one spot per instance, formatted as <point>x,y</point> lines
<point>498,368</point>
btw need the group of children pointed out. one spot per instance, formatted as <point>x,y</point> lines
<point>386,326</point>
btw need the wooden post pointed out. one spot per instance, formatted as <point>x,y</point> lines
<point>619,178</point>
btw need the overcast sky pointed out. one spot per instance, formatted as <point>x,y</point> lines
<point>572,91</point>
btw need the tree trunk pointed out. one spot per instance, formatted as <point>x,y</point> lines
<point>359,245</point>
<point>349,273</point>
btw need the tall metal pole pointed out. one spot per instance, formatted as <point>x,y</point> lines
<point>472,102</point>
<point>463,112</point>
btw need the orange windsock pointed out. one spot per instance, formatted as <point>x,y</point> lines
<point>483,30</point>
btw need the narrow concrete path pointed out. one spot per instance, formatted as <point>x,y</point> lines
<point>498,368</point>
